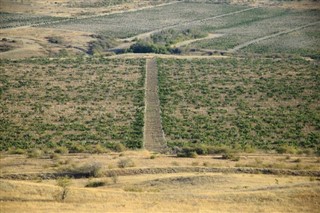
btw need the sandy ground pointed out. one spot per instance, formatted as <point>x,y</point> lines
<point>34,41</point>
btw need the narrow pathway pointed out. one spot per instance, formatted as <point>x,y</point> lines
<point>83,17</point>
<point>153,134</point>
<point>185,23</point>
<point>241,46</point>
<point>187,42</point>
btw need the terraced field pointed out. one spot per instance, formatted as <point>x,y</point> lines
<point>240,103</point>
<point>75,103</point>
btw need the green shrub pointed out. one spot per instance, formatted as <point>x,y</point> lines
<point>54,156</point>
<point>17,151</point>
<point>61,150</point>
<point>77,148</point>
<point>64,183</point>
<point>35,153</point>
<point>114,177</point>
<point>286,149</point>
<point>119,147</point>
<point>230,156</point>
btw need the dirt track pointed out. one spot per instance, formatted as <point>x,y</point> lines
<point>153,134</point>
<point>241,46</point>
<point>88,16</point>
<point>162,170</point>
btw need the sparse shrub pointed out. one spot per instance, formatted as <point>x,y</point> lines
<point>77,148</point>
<point>17,151</point>
<point>206,164</point>
<point>218,149</point>
<point>193,155</point>
<point>95,184</point>
<point>61,150</point>
<point>99,149</point>
<point>111,166</point>
<point>64,183</point>
<point>127,162</point>
<point>230,156</point>
<point>286,149</point>
<point>114,177</point>
<point>188,152</point>
<point>249,149</point>
<point>55,39</point>
<point>88,170</point>
<point>35,153</point>
<point>235,158</point>
<point>195,163</point>
<point>312,178</point>
<point>258,161</point>
<point>119,147</point>
<point>153,156</point>
<point>175,163</point>
<point>54,156</point>
<point>133,189</point>
<point>298,160</point>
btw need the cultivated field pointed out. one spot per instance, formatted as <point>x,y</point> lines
<point>133,23</point>
<point>258,103</point>
<point>75,103</point>
<point>159,106</point>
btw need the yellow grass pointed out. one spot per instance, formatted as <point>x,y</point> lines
<point>168,193</point>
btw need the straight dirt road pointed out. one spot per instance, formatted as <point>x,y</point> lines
<point>153,134</point>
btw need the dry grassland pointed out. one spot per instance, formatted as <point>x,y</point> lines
<point>177,192</point>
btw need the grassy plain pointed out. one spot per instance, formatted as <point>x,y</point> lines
<point>160,192</point>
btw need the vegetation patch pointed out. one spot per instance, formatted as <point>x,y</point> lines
<point>84,105</point>
<point>242,104</point>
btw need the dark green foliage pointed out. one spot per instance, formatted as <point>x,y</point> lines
<point>147,47</point>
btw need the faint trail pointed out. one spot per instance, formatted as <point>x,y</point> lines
<point>187,42</point>
<point>166,170</point>
<point>129,41</point>
<point>148,34</point>
<point>86,17</point>
<point>241,46</point>
<point>153,134</point>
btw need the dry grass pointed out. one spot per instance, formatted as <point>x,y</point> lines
<point>65,8</point>
<point>170,192</point>
<point>142,159</point>
<point>34,42</point>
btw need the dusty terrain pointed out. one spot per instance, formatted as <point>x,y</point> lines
<point>160,192</point>
<point>35,42</point>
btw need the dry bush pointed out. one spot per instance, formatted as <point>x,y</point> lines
<point>127,162</point>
